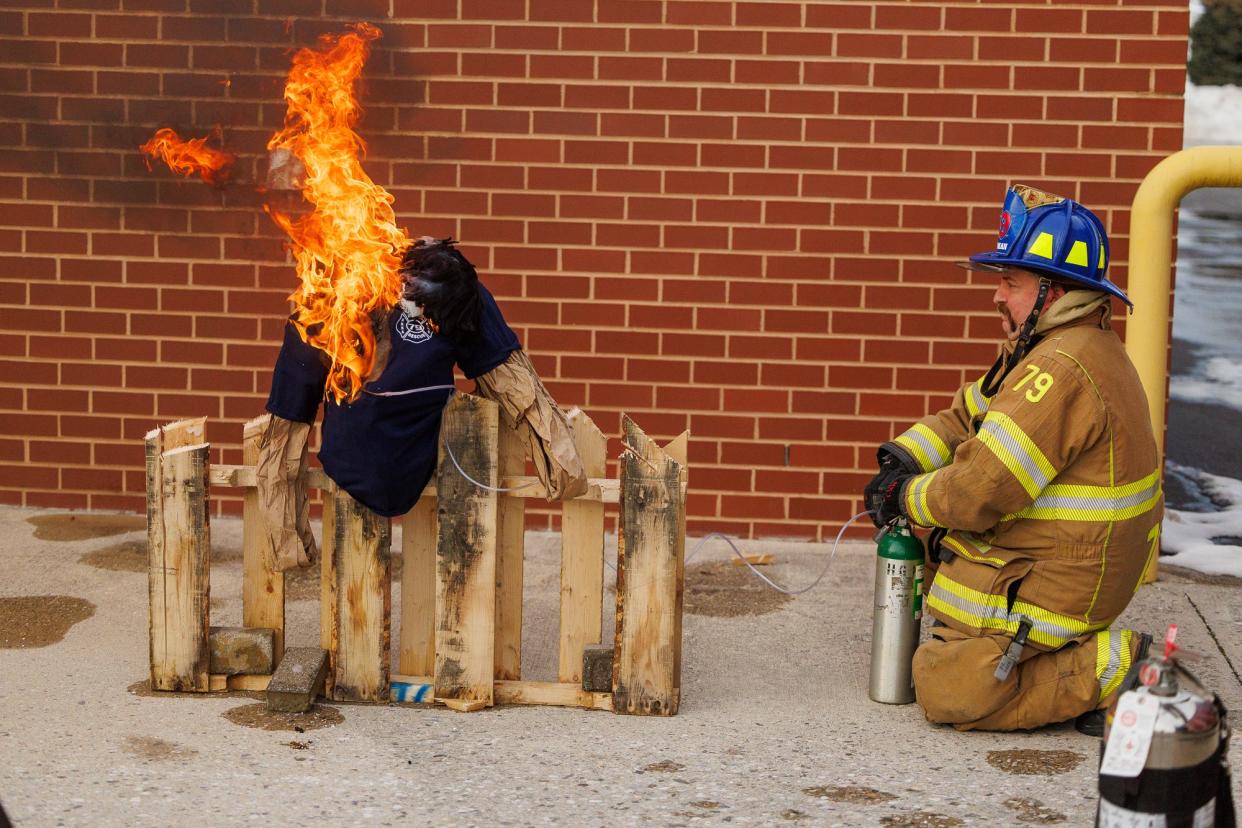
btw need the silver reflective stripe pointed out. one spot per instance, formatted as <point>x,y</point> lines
<point>1051,631</point>
<point>937,453</point>
<point>1016,451</point>
<point>1043,630</point>
<point>1115,640</point>
<point>978,612</point>
<point>1056,501</point>
<point>976,403</point>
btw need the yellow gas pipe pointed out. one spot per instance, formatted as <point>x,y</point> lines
<point>1151,264</point>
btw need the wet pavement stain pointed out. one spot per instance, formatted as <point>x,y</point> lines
<point>30,621</point>
<point>721,590</point>
<point>78,527</point>
<point>126,556</point>
<point>852,793</point>
<point>793,814</point>
<point>1035,762</point>
<point>149,747</point>
<point>296,745</point>
<point>920,819</point>
<point>259,717</point>
<point>662,767</point>
<point>132,556</point>
<point>1034,812</point>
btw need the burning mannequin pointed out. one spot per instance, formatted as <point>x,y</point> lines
<point>381,447</point>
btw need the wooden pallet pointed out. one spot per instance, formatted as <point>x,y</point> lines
<point>461,583</point>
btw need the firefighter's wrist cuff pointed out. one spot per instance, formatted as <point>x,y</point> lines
<point>904,458</point>
<point>901,497</point>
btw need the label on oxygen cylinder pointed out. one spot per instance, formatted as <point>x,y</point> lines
<point>904,593</point>
<point>918,592</point>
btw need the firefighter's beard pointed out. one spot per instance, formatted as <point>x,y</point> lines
<point>1008,323</point>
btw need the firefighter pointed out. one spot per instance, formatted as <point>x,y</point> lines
<point>1041,486</point>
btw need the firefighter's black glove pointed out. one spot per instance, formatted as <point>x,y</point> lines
<point>892,458</point>
<point>883,495</point>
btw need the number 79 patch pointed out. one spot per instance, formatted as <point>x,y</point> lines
<point>1043,381</point>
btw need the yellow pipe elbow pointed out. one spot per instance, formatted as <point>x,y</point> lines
<point>1151,261</point>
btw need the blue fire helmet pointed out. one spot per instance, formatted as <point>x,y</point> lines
<point>1053,236</point>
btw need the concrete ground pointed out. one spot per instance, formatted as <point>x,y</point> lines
<point>775,725</point>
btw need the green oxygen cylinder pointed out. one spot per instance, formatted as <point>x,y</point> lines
<point>898,613</point>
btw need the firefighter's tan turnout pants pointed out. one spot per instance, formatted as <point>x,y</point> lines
<point>954,679</point>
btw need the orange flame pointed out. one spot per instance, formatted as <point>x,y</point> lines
<point>347,248</point>
<point>189,157</point>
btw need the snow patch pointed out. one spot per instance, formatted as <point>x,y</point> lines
<point>1217,381</point>
<point>1212,115</point>
<point>1188,535</point>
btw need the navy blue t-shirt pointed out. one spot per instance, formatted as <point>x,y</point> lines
<point>382,450</point>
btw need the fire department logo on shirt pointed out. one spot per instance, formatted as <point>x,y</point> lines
<point>412,328</point>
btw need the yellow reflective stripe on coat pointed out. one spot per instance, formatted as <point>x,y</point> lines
<point>1017,452</point>
<point>971,548</point>
<point>1068,501</point>
<point>1112,659</point>
<point>989,612</point>
<point>976,403</point>
<point>916,500</point>
<point>978,609</point>
<point>926,447</point>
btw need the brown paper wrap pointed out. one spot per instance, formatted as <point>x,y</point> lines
<point>281,482</point>
<point>529,409</point>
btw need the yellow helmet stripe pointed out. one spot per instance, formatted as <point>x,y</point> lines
<point>1042,246</point>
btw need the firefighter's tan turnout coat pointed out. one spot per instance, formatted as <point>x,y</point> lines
<point>1050,492</point>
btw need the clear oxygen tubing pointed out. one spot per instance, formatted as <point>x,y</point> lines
<point>765,578</point>
<point>462,472</point>
<point>408,391</point>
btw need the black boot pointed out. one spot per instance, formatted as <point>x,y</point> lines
<point>1091,723</point>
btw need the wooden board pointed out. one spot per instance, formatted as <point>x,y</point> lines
<point>218,683</point>
<point>510,535</point>
<point>508,692</point>
<point>558,694</point>
<point>650,572</point>
<point>582,557</point>
<point>179,564</point>
<point>263,588</point>
<point>678,450</point>
<point>417,654</point>
<point>464,705</point>
<point>361,564</point>
<point>599,489</point>
<point>327,585</point>
<point>255,683</point>
<point>466,552</point>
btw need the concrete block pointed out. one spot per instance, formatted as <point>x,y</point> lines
<point>597,668</point>
<point>298,680</point>
<point>241,651</point>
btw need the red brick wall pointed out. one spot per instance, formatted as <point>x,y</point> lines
<point>732,217</point>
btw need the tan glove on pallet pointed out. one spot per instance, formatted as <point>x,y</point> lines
<point>529,409</point>
<point>281,477</point>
